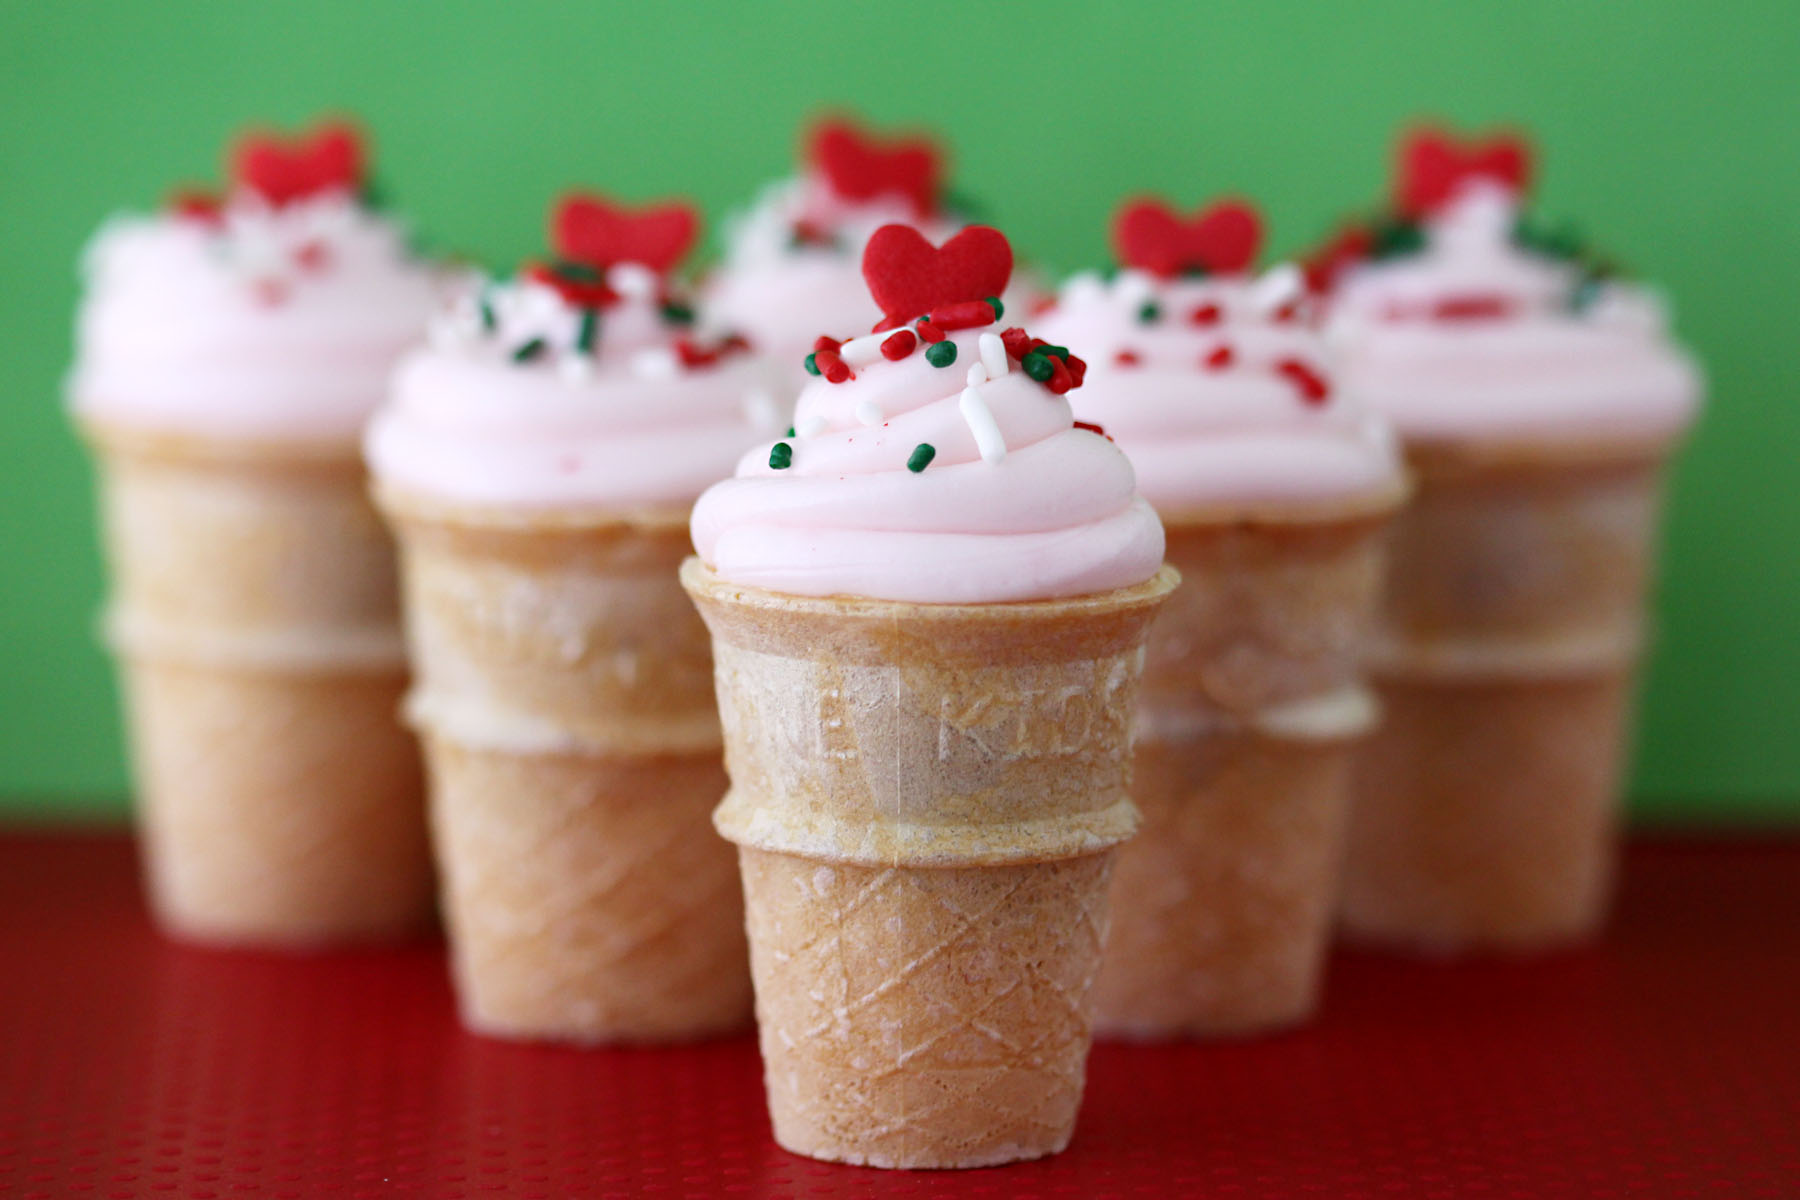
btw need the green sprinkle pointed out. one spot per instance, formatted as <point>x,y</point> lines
<point>1061,352</point>
<point>781,456</point>
<point>587,331</point>
<point>993,302</point>
<point>921,457</point>
<point>1038,366</point>
<point>941,354</point>
<point>488,320</point>
<point>529,350</point>
<point>580,272</point>
<point>1395,237</point>
<point>1150,313</point>
<point>812,366</point>
<point>676,313</point>
<point>790,432</point>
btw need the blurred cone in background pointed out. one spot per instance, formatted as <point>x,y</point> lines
<point>565,699</point>
<point>1487,805</point>
<point>254,618</point>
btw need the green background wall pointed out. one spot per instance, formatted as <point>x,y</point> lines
<point>1670,130</point>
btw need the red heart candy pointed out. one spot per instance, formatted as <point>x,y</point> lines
<point>590,229</point>
<point>329,158</point>
<point>908,276</point>
<point>1433,165</point>
<point>859,166</point>
<point>1222,239</point>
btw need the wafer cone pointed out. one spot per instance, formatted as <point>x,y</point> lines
<point>565,697</point>
<point>926,799</point>
<point>1485,809</point>
<point>254,618</point>
<point>1251,703</point>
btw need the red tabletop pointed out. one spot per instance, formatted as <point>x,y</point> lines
<point>1664,1062</point>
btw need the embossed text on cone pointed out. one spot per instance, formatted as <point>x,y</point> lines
<point>926,799</point>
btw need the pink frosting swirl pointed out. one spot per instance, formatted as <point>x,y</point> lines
<point>516,406</point>
<point>1474,336</point>
<point>263,322</point>
<point>1219,391</point>
<point>1014,504</point>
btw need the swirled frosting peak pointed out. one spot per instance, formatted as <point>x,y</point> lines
<point>1460,317</point>
<point>936,460</point>
<point>272,311</point>
<point>1214,379</point>
<point>576,385</point>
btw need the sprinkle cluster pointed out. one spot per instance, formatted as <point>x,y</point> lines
<point>836,361</point>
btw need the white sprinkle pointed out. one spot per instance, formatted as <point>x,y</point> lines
<point>1279,285</point>
<point>860,352</point>
<point>760,409</point>
<point>982,425</point>
<point>977,374</point>
<point>575,367</point>
<point>869,412</point>
<point>633,280</point>
<point>813,426</point>
<point>993,355</point>
<point>655,362</point>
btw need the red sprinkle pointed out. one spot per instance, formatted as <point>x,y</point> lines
<point>694,355</point>
<point>1060,379</point>
<point>898,345</point>
<point>1093,428</point>
<point>269,292</point>
<point>823,344</point>
<point>1077,370</point>
<point>1471,308</point>
<point>1016,341</point>
<point>1313,387</point>
<point>1127,358</point>
<point>1287,313</point>
<point>1221,357</point>
<point>192,204</point>
<point>833,368</point>
<point>966,314</point>
<point>582,293</point>
<point>1205,314</point>
<point>312,256</point>
<point>930,333</point>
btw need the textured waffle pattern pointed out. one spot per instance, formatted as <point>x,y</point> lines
<point>924,1017</point>
<point>588,901</point>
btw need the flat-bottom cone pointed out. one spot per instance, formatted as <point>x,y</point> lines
<point>924,1017</point>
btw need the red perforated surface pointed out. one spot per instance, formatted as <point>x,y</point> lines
<point>1666,1062</point>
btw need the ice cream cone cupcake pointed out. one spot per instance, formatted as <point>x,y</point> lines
<point>793,260</point>
<point>1538,398</point>
<point>538,462</point>
<point>1274,491</point>
<point>229,349</point>
<point>928,609</point>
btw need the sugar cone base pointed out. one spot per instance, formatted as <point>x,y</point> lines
<point>588,898</point>
<point>1222,905</point>
<point>1485,814</point>
<point>924,1017</point>
<point>279,808</point>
